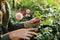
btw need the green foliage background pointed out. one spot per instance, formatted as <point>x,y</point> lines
<point>43,8</point>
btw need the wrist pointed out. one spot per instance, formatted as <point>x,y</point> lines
<point>28,25</point>
<point>25,24</point>
<point>13,36</point>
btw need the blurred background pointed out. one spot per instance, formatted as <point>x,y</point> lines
<point>47,10</point>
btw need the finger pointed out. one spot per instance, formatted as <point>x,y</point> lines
<point>34,20</point>
<point>37,22</point>
<point>32,33</point>
<point>28,35</point>
<point>27,38</point>
<point>31,29</point>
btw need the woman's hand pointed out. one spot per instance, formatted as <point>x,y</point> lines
<point>22,33</point>
<point>34,21</point>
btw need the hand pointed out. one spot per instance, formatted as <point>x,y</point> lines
<point>34,21</point>
<point>22,33</point>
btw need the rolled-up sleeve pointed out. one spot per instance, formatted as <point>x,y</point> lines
<point>15,26</point>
